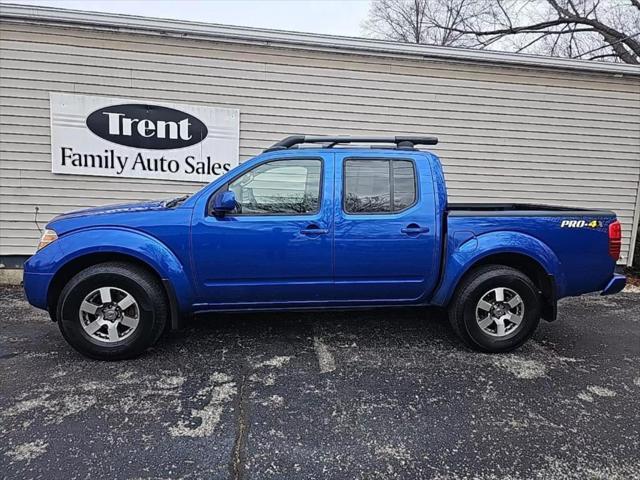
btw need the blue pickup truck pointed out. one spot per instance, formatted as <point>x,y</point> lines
<point>317,223</point>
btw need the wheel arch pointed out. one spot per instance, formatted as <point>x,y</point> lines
<point>532,268</point>
<point>76,265</point>
<point>512,249</point>
<point>108,245</point>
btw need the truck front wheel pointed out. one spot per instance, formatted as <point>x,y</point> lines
<point>495,309</point>
<point>112,311</point>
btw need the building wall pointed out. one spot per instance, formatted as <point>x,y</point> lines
<point>506,133</point>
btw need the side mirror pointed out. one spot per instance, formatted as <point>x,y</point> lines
<point>224,202</point>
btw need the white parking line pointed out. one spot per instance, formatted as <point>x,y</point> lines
<point>325,358</point>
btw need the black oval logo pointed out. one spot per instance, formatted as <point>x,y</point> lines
<point>147,126</point>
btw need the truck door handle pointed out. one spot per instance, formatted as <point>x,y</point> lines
<point>313,230</point>
<point>414,229</point>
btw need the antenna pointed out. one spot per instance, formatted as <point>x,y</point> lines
<point>35,218</point>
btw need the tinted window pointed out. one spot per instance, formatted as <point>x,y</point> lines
<point>280,187</point>
<point>404,184</point>
<point>367,187</point>
<point>378,186</point>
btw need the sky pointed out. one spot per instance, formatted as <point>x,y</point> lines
<point>334,17</point>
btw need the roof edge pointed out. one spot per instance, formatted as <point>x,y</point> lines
<point>281,38</point>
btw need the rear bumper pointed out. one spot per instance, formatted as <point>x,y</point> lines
<point>615,285</point>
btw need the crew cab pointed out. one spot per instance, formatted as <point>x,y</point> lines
<point>317,223</point>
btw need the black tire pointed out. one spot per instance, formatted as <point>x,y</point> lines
<point>152,310</point>
<point>462,310</point>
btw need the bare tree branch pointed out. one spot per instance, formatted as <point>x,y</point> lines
<point>553,27</point>
<point>535,40</point>
<point>598,57</point>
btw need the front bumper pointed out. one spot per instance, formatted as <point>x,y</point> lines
<point>36,286</point>
<point>615,285</point>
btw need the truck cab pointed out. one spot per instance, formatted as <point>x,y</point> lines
<point>319,227</point>
<point>311,227</point>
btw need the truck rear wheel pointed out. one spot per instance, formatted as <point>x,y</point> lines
<point>112,311</point>
<point>495,309</point>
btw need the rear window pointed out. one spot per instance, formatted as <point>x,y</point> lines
<point>378,186</point>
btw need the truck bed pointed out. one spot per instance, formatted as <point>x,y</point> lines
<point>577,237</point>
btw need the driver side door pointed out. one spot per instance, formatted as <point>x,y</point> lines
<point>276,247</point>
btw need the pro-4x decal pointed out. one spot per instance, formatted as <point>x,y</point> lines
<point>581,224</point>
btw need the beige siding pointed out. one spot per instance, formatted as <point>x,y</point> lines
<point>506,133</point>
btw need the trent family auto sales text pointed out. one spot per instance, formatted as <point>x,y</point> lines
<point>119,163</point>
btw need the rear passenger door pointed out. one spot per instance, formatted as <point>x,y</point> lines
<point>384,227</point>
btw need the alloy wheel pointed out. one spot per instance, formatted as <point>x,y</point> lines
<point>499,312</point>
<point>109,314</point>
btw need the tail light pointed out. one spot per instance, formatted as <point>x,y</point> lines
<point>615,239</point>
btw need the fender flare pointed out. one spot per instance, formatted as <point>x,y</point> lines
<point>465,255</point>
<point>132,243</point>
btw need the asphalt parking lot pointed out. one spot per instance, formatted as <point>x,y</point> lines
<point>355,395</point>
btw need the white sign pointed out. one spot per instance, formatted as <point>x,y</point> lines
<point>116,137</point>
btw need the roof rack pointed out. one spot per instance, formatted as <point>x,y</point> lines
<point>402,142</point>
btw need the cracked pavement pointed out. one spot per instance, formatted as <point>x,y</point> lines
<point>354,395</point>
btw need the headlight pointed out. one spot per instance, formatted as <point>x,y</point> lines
<point>48,236</point>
